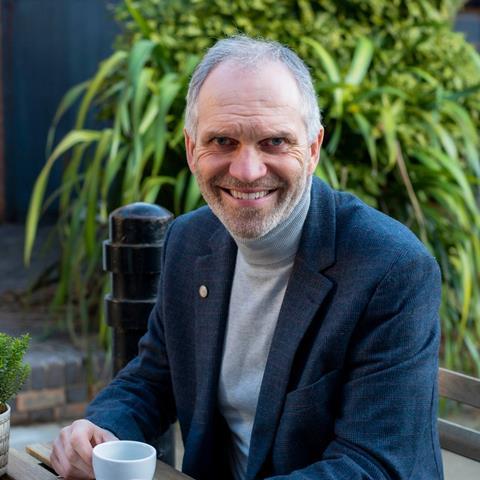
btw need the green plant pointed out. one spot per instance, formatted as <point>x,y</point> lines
<point>400,95</point>
<point>113,166</point>
<point>13,372</point>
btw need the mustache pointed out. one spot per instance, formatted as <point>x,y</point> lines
<point>271,182</point>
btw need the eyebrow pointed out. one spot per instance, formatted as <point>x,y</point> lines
<point>233,133</point>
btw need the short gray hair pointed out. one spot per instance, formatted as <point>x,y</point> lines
<point>251,53</point>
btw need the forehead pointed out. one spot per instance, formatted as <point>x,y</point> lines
<point>241,97</point>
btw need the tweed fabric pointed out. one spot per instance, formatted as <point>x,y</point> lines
<point>350,385</point>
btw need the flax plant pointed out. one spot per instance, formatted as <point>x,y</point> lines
<point>400,95</point>
<point>109,167</point>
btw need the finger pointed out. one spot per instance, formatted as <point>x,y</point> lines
<point>55,463</point>
<point>80,442</point>
<point>78,461</point>
<point>58,459</point>
<point>66,470</point>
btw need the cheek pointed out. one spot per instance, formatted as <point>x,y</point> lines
<point>300,154</point>
<point>291,165</point>
<point>208,162</point>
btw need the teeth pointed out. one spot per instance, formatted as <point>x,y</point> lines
<point>248,196</point>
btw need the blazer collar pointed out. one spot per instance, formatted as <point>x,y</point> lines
<point>213,274</point>
<point>317,246</point>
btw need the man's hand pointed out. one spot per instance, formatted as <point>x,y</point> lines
<point>71,455</point>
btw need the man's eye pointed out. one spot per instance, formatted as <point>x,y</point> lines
<point>223,141</point>
<point>274,142</point>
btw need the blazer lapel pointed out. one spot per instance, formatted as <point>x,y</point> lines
<point>212,282</point>
<point>306,290</point>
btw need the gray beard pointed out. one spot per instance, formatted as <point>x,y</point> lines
<point>250,223</point>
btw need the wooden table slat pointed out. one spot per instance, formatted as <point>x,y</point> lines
<point>22,466</point>
<point>41,452</point>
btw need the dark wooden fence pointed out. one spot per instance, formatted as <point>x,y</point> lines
<point>47,47</point>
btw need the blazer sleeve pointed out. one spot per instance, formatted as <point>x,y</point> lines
<point>386,424</point>
<point>138,404</point>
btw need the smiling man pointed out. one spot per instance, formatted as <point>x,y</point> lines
<point>296,330</point>
<point>249,147</point>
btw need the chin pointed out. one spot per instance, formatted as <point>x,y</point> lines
<point>249,230</point>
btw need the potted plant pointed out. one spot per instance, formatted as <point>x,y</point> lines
<point>13,373</point>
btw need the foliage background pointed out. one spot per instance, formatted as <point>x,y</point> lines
<point>400,95</point>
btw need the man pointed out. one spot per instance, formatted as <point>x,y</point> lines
<point>296,330</point>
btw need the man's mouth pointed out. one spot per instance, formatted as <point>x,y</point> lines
<point>249,195</point>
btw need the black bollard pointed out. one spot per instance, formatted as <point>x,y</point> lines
<point>133,255</point>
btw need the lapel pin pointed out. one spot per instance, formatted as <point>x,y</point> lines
<point>203,291</point>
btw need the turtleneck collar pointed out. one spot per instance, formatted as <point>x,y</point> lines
<point>281,243</point>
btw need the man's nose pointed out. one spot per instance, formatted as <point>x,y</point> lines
<point>247,165</point>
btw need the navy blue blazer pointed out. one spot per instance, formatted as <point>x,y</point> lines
<point>350,386</point>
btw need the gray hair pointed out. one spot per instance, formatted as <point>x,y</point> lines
<point>250,53</point>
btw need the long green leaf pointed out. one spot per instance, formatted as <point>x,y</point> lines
<point>193,195</point>
<point>151,112</point>
<point>327,61</point>
<point>106,69</point>
<point>326,171</point>
<point>424,75</point>
<point>459,176</point>
<point>467,128</point>
<point>139,56</point>
<point>168,89</point>
<point>372,93</point>
<point>332,71</point>
<point>73,138</point>
<point>366,130</point>
<point>474,351</point>
<point>462,118</point>
<point>113,166</point>
<point>67,101</point>
<point>466,272</point>
<point>446,140</point>
<point>151,187</point>
<point>179,190</point>
<point>361,62</point>
<point>389,132</point>
<point>139,20</point>
<point>92,186</point>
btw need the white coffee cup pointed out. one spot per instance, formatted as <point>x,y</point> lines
<point>124,460</point>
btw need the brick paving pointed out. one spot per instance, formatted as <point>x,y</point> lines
<point>58,387</point>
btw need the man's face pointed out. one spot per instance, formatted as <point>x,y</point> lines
<point>251,157</point>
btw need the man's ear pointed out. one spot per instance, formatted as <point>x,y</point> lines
<point>315,147</point>
<point>189,148</point>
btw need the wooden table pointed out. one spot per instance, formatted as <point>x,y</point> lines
<point>34,464</point>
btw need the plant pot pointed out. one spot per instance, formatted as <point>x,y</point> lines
<point>4,439</point>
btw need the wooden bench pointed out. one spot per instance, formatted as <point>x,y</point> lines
<point>460,445</point>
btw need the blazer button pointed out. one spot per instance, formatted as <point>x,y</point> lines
<point>203,291</point>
